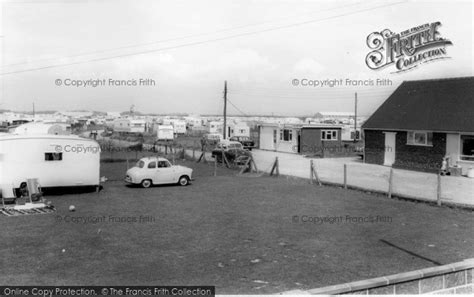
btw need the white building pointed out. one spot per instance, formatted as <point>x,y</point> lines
<point>179,126</point>
<point>238,129</point>
<point>216,127</point>
<point>130,125</point>
<point>277,137</point>
<point>347,133</point>
<point>194,121</point>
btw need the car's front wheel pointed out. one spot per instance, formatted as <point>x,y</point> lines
<point>146,183</point>
<point>183,180</point>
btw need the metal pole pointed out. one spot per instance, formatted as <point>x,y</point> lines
<point>345,176</point>
<point>355,118</point>
<point>225,110</point>
<point>215,166</point>
<point>439,190</point>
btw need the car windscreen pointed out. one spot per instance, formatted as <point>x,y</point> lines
<point>140,164</point>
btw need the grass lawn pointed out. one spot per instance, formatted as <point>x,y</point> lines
<point>237,233</point>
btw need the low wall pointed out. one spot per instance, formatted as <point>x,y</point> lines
<point>456,278</point>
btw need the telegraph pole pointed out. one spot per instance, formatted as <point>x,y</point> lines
<point>355,118</point>
<point>225,110</point>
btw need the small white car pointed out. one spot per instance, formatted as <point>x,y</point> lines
<point>157,171</point>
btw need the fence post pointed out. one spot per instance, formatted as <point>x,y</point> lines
<point>390,183</point>
<point>345,176</point>
<point>438,198</point>
<point>275,168</point>
<point>311,171</point>
<point>254,164</point>
<point>224,159</point>
<point>215,166</point>
<point>317,176</point>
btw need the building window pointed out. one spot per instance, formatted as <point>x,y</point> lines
<point>53,156</point>
<point>328,134</point>
<point>467,147</point>
<point>286,135</point>
<point>420,138</point>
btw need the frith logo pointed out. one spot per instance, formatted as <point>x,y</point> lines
<point>407,49</point>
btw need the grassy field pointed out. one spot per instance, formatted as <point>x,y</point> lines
<point>241,234</point>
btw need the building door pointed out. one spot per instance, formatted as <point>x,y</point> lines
<point>389,155</point>
<point>275,133</point>
<point>453,148</point>
<point>298,142</point>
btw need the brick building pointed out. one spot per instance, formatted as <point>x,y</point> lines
<point>421,123</point>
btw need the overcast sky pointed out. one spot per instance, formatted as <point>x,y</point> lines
<point>190,47</point>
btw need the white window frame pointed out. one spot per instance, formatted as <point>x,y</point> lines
<point>411,138</point>
<point>334,135</point>
<point>290,135</point>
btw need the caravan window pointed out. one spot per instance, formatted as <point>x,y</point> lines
<point>53,156</point>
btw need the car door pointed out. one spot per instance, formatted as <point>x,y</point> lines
<point>165,173</point>
<point>151,172</point>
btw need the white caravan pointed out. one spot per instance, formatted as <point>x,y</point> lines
<point>179,127</point>
<point>165,132</point>
<point>55,160</point>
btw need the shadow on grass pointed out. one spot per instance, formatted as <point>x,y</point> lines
<point>58,191</point>
<point>134,186</point>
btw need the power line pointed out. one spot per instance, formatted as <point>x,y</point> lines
<point>201,42</point>
<point>314,92</point>
<point>238,109</point>
<point>345,96</point>
<point>303,89</point>
<point>172,39</point>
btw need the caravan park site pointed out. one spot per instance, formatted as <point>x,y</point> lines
<point>250,233</point>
